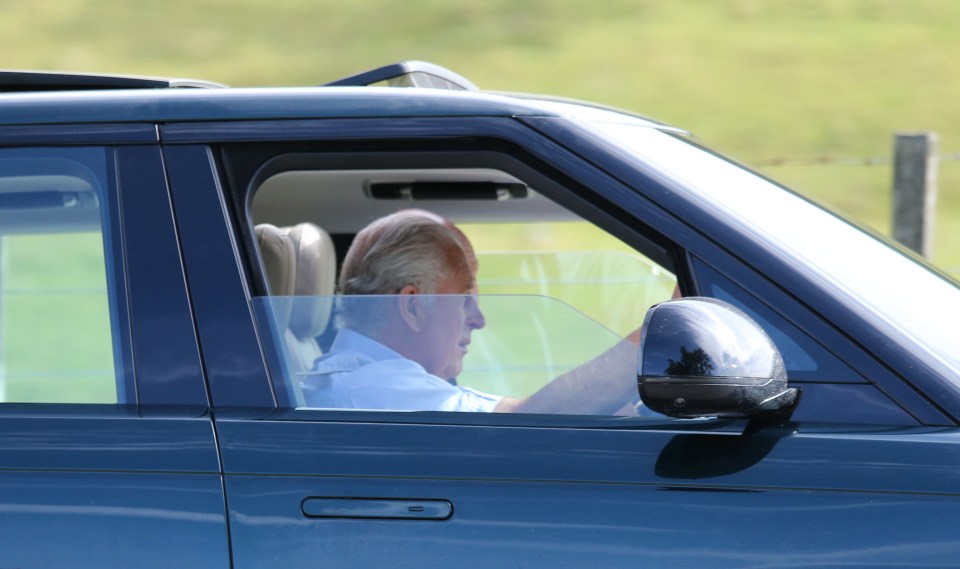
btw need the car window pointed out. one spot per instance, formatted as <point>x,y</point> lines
<point>577,264</point>
<point>56,308</point>
<point>466,355</point>
<point>561,297</point>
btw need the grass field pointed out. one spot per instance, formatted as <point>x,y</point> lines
<point>756,79</point>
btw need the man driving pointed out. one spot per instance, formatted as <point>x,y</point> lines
<point>408,311</point>
<point>395,352</point>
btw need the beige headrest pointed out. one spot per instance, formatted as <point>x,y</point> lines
<point>316,275</point>
<point>279,259</point>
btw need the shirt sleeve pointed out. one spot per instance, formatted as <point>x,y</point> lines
<point>477,401</point>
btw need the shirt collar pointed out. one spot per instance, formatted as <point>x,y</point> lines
<point>352,340</point>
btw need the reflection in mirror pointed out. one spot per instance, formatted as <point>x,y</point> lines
<point>521,353</point>
<point>681,333</point>
<point>691,363</point>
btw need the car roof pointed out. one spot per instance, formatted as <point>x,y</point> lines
<point>157,105</point>
<point>425,90</point>
<point>149,105</point>
<point>418,89</point>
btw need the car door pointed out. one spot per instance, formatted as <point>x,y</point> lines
<point>107,453</point>
<point>352,488</point>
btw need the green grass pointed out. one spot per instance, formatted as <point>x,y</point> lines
<point>757,79</point>
<point>55,321</point>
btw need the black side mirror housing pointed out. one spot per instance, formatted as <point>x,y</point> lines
<point>702,357</point>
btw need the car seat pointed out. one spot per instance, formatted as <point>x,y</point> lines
<point>315,276</point>
<point>300,262</point>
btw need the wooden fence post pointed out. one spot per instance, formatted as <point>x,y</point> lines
<point>915,190</point>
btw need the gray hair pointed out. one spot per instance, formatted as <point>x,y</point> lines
<point>396,251</point>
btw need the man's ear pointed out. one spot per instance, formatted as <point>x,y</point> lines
<point>409,307</point>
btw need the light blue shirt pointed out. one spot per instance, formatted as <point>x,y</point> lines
<point>361,373</point>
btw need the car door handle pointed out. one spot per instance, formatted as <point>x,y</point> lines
<point>376,508</point>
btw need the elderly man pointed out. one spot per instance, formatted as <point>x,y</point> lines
<point>396,352</point>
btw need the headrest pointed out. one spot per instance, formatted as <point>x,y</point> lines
<point>279,259</point>
<point>316,275</point>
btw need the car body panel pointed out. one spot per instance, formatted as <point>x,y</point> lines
<point>547,497</point>
<point>112,519</point>
<point>234,364</point>
<point>536,525</point>
<point>138,482</point>
<point>165,106</point>
<point>79,134</point>
<point>162,316</point>
<point>560,494</point>
<point>915,459</point>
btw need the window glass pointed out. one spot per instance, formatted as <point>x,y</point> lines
<point>56,344</point>
<point>470,353</point>
<point>573,262</point>
<point>556,291</point>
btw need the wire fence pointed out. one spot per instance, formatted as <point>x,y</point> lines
<point>839,161</point>
<point>827,160</point>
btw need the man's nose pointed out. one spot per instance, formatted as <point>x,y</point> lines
<point>475,318</point>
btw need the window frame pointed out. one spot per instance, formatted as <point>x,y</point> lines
<point>192,148</point>
<point>469,156</point>
<point>644,204</point>
<point>144,273</point>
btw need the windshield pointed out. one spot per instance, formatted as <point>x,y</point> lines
<point>897,293</point>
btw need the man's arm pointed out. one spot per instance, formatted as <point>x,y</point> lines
<point>604,385</point>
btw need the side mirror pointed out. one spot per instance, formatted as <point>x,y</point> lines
<point>701,357</point>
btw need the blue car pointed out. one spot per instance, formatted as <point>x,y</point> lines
<point>704,369</point>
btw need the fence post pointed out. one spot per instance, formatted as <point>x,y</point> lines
<point>915,190</point>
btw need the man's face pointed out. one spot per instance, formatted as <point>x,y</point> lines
<point>455,315</point>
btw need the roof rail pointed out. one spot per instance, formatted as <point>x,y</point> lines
<point>24,81</point>
<point>409,74</point>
